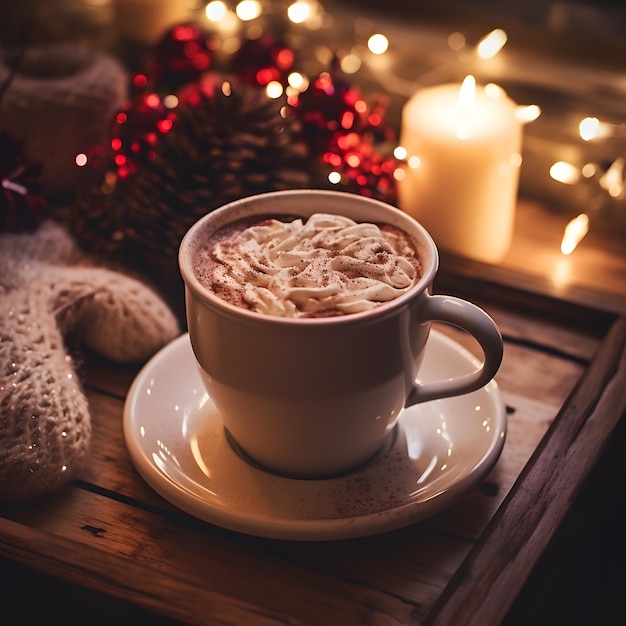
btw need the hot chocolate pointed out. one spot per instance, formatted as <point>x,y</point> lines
<point>323,266</point>
<point>317,394</point>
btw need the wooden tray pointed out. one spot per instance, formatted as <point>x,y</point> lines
<point>564,383</point>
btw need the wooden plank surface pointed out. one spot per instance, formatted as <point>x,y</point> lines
<point>111,533</point>
<point>110,517</point>
<point>486,585</point>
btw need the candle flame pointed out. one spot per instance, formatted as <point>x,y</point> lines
<point>467,94</point>
<point>491,43</point>
<point>465,105</point>
<point>575,230</point>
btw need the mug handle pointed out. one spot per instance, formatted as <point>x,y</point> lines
<point>476,322</point>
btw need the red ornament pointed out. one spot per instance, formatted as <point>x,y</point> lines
<point>348,135</point>
<point>263,60</point>
<point>194,93</point>
<point>327,107</point>
<point>361,168</point>
<point>182,55</point>
<point>136,132</point>
<point>374,122</point>
<point>345,136</point>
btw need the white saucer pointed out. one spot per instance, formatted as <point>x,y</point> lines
<point>438,451</point>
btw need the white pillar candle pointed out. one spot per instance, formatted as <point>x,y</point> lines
<point>463,149</point>
<point>146,21</point>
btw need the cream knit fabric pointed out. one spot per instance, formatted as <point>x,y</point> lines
<point>46,296</point>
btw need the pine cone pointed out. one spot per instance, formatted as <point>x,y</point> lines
<point>225,143</point>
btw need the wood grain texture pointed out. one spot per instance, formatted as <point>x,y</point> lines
<point>487,583</point>
<point>111,533</point>
<point>110,517</point>
<point>123,578</point>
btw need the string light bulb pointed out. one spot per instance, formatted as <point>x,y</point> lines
<point>565,173</point>
<point>527,113</point>
<point>300,11</point>
<point>248,10</point>
<point>591,128</point>
<point>215,11</point>
<point>574,233</point>
<point>491,44</point>
<point>378,44</point>
<point>612,181</point>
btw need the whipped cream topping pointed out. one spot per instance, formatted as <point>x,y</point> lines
<point>326,265</point>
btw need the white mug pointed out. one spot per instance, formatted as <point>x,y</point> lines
<point>317,397</point>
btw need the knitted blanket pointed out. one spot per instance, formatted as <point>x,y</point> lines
<point>47,294</point>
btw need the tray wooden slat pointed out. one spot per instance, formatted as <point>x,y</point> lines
<point>110,518</point>
<point>486,585</point>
